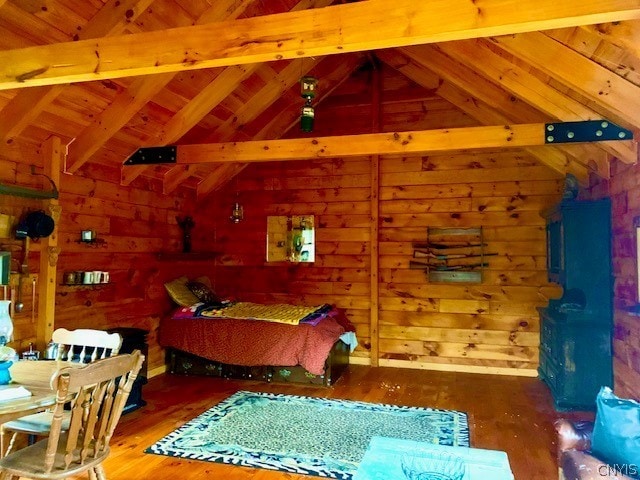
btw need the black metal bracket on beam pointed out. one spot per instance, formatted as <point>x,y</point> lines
<point>153,155</point>
<point>587,131</point>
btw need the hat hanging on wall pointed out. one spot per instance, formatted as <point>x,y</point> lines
<point>35,225</point>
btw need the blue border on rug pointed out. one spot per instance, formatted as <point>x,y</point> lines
<point>222,435</point>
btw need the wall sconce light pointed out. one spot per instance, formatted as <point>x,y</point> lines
<point>237,213</point>
<point>308,86</point>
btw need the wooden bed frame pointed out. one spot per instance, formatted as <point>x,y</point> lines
<point>184,363</point>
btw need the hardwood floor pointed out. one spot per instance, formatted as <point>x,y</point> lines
<point>513,414</point>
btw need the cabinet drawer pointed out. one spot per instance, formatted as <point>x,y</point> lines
<point>549,372</point>
<point>549,337</point>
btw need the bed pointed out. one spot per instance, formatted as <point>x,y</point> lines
<point>312,350</point>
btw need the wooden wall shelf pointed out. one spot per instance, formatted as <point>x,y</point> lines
<point>87,285</point>
<point>95,243</point>
<point>186,257</point>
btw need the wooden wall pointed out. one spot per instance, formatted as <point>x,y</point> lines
<point>491,327</point>
<point>624,188</point>
<point>133,224</point>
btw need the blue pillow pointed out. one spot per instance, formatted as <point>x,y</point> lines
<point>616,432</point>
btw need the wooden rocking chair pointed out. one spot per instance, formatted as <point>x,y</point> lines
<point>98,393</point>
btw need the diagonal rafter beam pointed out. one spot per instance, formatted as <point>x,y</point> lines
<point>529,88</point>
<point>491,92</point>
<point>331,30</point>
<point>206,100</point>
<point>338,70</point>
<point>617,96</point>
<point>475,108</point>
<point>112,19</point>
<point>140,92</point>
<point>403,143</point>
<point>268,94</point>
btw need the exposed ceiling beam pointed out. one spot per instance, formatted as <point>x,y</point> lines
<point>625,35</point>
<point>24,108</point>
<point>333,71</point>
<point>337,29</point>
<point>530,88</point>
<point>619,97</point>
<point>261,100</point>
<point>112,19</point>
<point>477,109</point>
<point>131,100</point>
<point>396,143</point>
<point>202,104</point>
<point>511,108</point>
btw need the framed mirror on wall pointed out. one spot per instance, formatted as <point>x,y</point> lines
<point>291,238</point>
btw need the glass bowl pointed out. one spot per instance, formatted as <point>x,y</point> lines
<point>436,466</point>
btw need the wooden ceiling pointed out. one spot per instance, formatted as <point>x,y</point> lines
<point>158,72</point>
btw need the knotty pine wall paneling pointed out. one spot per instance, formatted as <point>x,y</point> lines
<point>624,188</point>
<point>336,192</point>
<point>488,327</point>
<point>133,225</point>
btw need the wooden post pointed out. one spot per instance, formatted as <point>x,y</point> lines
<point>375,219</point>
<point>52,152</point>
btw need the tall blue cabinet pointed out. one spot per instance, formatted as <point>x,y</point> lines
<point>576,330</point>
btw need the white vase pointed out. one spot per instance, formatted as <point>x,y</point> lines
<point>6,325</point>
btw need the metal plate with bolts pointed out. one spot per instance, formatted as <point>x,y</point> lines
<point>153,155</point>
<point>587,131</point>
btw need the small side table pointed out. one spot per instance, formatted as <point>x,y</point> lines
<point>385,458</point>
<point>134,339</point>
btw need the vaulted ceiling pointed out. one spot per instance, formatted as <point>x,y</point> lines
<point>228,76</point>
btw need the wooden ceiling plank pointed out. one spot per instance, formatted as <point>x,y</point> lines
<point>28,104</point>
<point>174,177</point>
<point>248,111</point>
<point>122,109</point>
<point>204,102</point>
<point>24,108</point>
<point>196,109</point>
<point>396,143</point>
<point>339,69</point>
<point>263,98</point>
<point>114,18</point>
<point>625,63</point>
<point>464,98</point>
<point>528,87</point>
<point>324,31</point>
<point>221,175</point>
<point>613,93</point>
<point>260,101</point>
<point>34,29</point>
<point>625,35</point>
<point>191,114</point>
<point>467,77</point>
